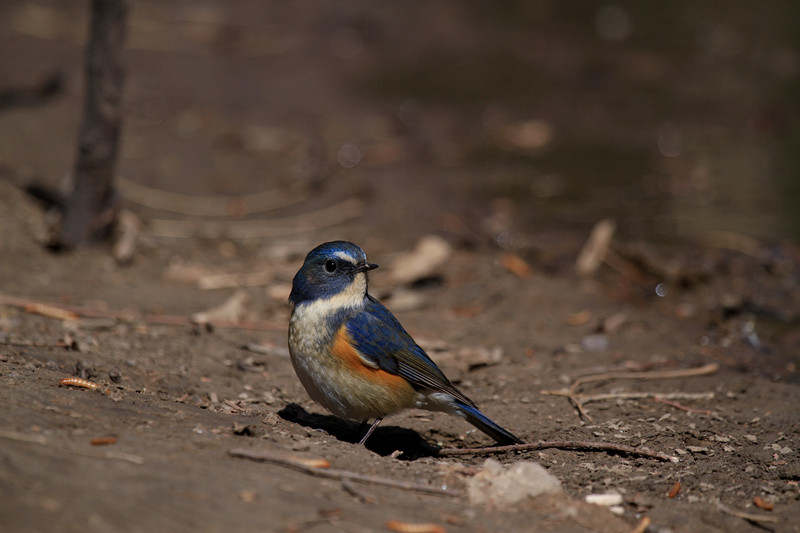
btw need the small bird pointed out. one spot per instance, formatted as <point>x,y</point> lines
<point>352,355</point>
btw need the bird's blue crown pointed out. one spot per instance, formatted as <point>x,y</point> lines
<point>327,270</point>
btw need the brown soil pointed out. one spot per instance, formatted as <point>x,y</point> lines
<point>175,399</point>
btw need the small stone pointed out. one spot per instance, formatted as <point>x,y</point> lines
<point>115,375</point>
<point>301,445</point>
<point>606,500</point>
<point>595,342</point>
<point>505,486</point>
<point>248,430</point>
<point>698,449</point>
<point>789,471</point>
<point>247,496</point>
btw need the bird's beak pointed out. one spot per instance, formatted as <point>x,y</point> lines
<point>363,267</point>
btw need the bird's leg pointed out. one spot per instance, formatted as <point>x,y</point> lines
<point>370,430</point>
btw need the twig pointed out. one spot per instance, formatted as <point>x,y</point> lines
<point>128,228</point>
<point>266,349</point>
<point>180,320</point>
<point>22,437</point>
<point>353,491</point>
<point>233,406</point>
<point>111,454</point>
<point>256,455</point>
<point>676,405</point>
<point>578,399</point>
<point>168,320</point>
<point>663,397</point>
<point>49,310</point>
<point>625,267</point>
<point>259,229</point>
<point>236,280</point>
<point>40,439</point>
<point>574,399</point>
<point>626,366</point>
<point>732,241</point>
<point>747,516</point>
<point>562,445</point>
<point>642,526</point>
<point>704,370</point>
<point>208,206</point>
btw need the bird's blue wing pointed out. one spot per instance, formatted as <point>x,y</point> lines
<point>382,341</point>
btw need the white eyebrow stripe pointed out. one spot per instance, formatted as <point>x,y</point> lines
<point>344,255</point>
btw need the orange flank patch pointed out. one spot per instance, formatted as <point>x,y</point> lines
<point>344,351</point>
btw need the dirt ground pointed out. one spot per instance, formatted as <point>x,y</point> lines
<point>305,100</point>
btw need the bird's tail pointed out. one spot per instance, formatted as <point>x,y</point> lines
<point>482,422</point>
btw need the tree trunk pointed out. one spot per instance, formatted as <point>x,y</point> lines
<point>90,212</point>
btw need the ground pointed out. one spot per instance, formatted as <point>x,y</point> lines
<point>310,102</point>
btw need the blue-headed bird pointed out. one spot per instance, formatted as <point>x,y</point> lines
<point>352,355</point>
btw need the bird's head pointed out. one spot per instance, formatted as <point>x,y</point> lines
<point>337,268</point>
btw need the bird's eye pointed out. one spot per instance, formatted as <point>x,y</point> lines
<point>330,265</point>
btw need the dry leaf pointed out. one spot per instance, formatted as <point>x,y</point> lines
<point>596,247</point>
<point>580,318</point>
<point>516,265</point>
<point>232,310</point>
<point>430,253</point>
<point>410,527</point>
<point>762,504</point>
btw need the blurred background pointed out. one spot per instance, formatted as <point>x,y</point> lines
<point>679,120</point>
<point>469,148</point>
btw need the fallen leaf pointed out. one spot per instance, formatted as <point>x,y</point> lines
<point>410,527</point>
<point>247,496</point>
<point>762,504</point>
<point>596,247</point>
<point>580,318</point>
<point>231,310</point>
<point>103,441</point>
<point>516,265</point>
<point>430,253</point>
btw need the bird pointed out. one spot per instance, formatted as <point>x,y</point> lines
<point>353,356</point>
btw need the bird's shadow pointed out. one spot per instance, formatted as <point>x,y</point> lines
<point>385,440</point>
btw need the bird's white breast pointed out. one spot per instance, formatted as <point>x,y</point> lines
<point>316,312</point>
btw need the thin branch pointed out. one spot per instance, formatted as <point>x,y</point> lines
<point>643,525</point>
<point>22,437</point>
<point>747,516</point>
<point>561,445</point>
<point>210,206</point>
<point>68,312</point>
<point>256,455</point>
<point>259,229</point>
<point>676,405</point>
<point>704,370</point>
<point>91,206</point>
<point>578,399</point>
<point>662,397</point>
<point>40,439</point>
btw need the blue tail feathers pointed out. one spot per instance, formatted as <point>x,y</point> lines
<point>482,422</point>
